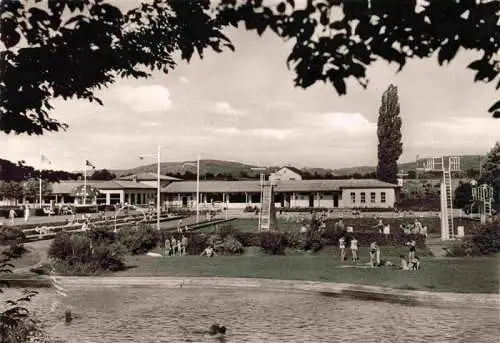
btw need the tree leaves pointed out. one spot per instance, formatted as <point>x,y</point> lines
<point>146,38</point>
<point>448,52</point>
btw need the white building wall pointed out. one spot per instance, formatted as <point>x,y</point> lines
<point>285,174</point>
<point>324,200</point>
<point>389,197</point>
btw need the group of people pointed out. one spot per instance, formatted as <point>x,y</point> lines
<point>412,263</point>
<point>174,247</point>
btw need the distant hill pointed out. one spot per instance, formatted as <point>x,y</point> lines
<point>467,162</point>
<point>238,170</point>
<point>214,167</point>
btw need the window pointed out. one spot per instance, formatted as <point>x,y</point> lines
<point>372,197</point>
<point>382,197</point>
<point>353,197</point>
<point>363,197</point>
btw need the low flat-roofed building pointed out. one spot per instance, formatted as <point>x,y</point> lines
<point>110,192</point>
<point>149,179</point>
<point>353,193</point>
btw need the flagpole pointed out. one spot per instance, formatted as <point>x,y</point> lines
<point>158,200</point>
<point>40,182</point>
<point>85,182</point>
<point>197,188</point>
<point>40,189</point>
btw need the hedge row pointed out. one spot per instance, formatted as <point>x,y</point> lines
<point>433,223</point>
<point>275,243</point>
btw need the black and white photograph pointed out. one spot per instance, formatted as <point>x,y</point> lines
<point>249,171</point>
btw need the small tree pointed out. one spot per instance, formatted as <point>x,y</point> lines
<point>390,146</point>
<point>11,190</point>
<point>31,188</point>
<point>463,196</point>
<point>103,174</point>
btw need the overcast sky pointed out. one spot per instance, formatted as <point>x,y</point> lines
<point>243,106</point>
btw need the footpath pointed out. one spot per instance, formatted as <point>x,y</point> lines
<point>407,297</point>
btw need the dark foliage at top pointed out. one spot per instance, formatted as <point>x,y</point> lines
<point>47,57</point>
<point>102,174</point>
<point>21,172</point>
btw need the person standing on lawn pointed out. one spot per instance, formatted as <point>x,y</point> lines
<point>184,243</point>
<point>354,249</point>
<point>412,245</point>
<point>168,247</point>
<point>342,248</point>
<point>12,215</point>
<point>374,254</point>
<point>173,242</point>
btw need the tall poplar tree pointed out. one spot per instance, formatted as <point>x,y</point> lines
<point>390,146</point>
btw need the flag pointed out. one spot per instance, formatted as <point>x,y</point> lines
<point>88,164</point>
<point>44,159</point>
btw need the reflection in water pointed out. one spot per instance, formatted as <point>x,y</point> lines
<point>142,314</point>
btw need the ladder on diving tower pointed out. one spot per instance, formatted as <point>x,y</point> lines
<point>448,227</point>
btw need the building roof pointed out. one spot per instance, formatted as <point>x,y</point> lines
<point>213,187</point>
<point>148,177</point>
<point>295,170</point>
<point>281,186</point>
<point>67,187</point>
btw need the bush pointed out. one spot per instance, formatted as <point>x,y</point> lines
<point>74,256</point>
<point>4,211</point>
<point>197,244</point>
<point>61,247</point>
<point>227,230</point>
<point>272,243</point>
<point>227,245</point>
<point>139,239</point>
<point>485,239</point>
<point>10,234</point>
<point>248,239</point>
<point>294,239</point>
<point>17,249</point>
<point>313,241</point>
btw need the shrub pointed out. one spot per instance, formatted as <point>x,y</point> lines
<point>10,234</point>
<point>485,239</point>
<point>4,211</point>
<point>139,239</point>
<point>227,230</point>
<point>248,239</point>
<point>109,257</point>
<point>272,243</point>
<point>196,243</point>
<point>232,246</point>
<point>17,249</point>
<point>74,256</point>
<point>105,235</point>
<point>294,239</point>
<point>61,247</point>
<point>227,245</point>
<point>313,241</point>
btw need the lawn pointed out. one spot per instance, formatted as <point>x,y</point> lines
<point>465,275</point>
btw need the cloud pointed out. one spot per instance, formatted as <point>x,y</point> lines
<point>349,123</point>
<point>223,107</point>
<point>273,133</point>
<point>252,133</point>
<point>144,99</point>
<point>280,106</point>
<point>452,134</point>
